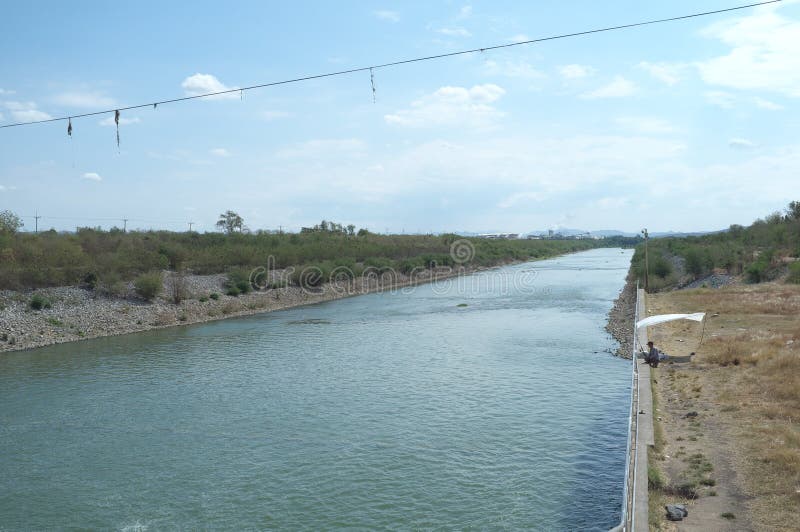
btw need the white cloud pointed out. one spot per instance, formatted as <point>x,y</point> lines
<point>512,69</point>
<point>721,99</point>
<point>269,116</point>
<point>206,83</point>
<point>454,32</point>
<point>575,71</point>
<point>521,197</point>
<point>741,144</point>
<point>91,100</point>
<point>26,111</point>
<point>2,117</point>
<point>384,14</point>
<point>219,152</point>
<point>669,73</point>
<point>764,53</point>
<point>5,91</point>
<point>123,121</point>
<point>619,88</point>
<point>612,203</point>
<point>761,103</point>
<point>2,188</point>
<point>520,37</point>
<point>321,148</point>
<point>92,176</point>
<point>645,124</point>
<point>465,12</point>
<point>452,106</point>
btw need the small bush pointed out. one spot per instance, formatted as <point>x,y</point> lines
<point>794,273</point>
<point>148,285</point>
<point>755,272</point>
<point>39,302</point>
<point>214,296</point>
<point>90,281</point>
<point>654,480</point>
<point>238,282</point>
<point>203,299</point>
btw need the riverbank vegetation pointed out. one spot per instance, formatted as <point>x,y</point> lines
<point>102,259</point>
<point>763,251</point>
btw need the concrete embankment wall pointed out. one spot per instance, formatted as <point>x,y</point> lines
<point>645,436</point>
<point>641,435</point>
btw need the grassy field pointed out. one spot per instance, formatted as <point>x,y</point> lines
<point>731,418</point>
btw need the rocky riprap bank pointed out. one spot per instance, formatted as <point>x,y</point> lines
<point>621,316</point>
<point>77,314</point>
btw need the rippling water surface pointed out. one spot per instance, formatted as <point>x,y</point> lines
<point>392,410</point>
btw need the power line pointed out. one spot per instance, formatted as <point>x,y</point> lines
<point>395,63</point>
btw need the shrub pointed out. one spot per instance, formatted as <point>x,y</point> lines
<point>232,291</point>
<point>90,281</point>
<point>214,296</point>
<point>662,268</point>
<point>148,285</point>
<point>39,302</point>
<point>794,273</point>
<point>755,272</point>
<point>238,282</point>
<point>178,287</point>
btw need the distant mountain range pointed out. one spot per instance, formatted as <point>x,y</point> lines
<point>564,231</point>
<point>614,232</point>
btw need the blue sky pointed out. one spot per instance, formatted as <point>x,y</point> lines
<point>688,125</point>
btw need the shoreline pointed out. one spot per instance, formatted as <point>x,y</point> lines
<point>78,314</point>
<point>620,317</point>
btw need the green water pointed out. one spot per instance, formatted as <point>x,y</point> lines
<point>392,410</point>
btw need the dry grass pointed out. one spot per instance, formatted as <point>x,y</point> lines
<point>751,355</point>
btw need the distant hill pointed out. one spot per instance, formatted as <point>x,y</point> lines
<point>615,232</point>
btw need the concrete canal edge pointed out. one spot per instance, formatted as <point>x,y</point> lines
<point>641,436</point>
<point>645,436</point>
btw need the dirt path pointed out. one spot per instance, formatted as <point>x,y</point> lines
<point>697,449</point>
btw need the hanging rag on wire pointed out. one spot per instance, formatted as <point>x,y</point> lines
<point>116,121</point>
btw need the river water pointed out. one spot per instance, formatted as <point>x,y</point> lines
<point>394,410</point>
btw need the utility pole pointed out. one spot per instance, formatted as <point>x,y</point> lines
<point>124,225</point>
<point>190,226</point>
<point>646,262</point>
<point>36,223</point>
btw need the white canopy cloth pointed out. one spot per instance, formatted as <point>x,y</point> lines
<point>663,318</point>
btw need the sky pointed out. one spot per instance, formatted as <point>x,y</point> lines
<point>684,126</point>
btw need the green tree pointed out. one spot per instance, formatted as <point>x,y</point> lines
<point>793,210</point>
<point>230,222</point>
<point>9,222</point>
<point>694,262</point>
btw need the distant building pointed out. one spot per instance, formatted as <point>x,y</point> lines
<point>500,236</point>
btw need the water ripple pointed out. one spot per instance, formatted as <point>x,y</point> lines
<point>388,411</point>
